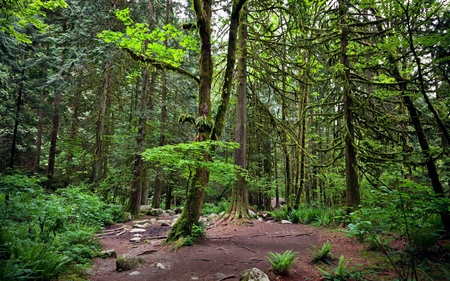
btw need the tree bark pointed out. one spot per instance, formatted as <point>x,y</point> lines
<point>231,61</point>
<point>13,152</point>
<point>37,159</point>
<point>239,198</point>
<point>159,183</point>
<point>353,198</point>
<point>197,186</point>
<point>97,164</point>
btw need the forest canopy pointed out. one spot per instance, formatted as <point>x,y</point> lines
<point>332,104</point>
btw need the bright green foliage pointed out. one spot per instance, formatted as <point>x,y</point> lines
<point>316,216</point>
<point>280,214</point>
<point>198,231</point>
<point>323,254</point>
<point>217,208</point>
<point>43,235</point>
<point>33,260</point>
<point>141,41</point>
<point>282,263</point>
<point>187,157</point>
<point>19,14</point>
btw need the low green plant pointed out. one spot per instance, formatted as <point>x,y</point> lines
<point>341,272</point>
<point>216,208</point>
<point>198,231</point>
<point>323,254</point>
<point>280,214</point>
<point>282,263</point>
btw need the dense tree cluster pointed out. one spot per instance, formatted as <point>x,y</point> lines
<point>329,100</point>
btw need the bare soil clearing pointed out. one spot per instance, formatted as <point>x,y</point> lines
<point>228,249</point>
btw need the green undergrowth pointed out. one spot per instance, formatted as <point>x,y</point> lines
<point>310,214</point>
<point>44,234</point>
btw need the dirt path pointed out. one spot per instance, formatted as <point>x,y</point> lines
<point>227,251</point>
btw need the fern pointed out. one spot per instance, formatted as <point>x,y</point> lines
<point>282,263</point>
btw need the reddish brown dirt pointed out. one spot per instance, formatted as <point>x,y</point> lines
<point>229,249</point>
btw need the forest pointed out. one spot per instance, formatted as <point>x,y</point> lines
<point>331,113</point>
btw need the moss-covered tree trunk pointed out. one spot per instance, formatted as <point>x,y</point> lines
<point>353,198</point>
<point>197,187</point>
<point>239,197</point>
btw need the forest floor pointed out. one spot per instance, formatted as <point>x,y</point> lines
<point>229,249</point>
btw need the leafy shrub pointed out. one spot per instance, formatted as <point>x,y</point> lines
<point>33,260</point>
<point>322,255</point>
<point>42,234</point>
<point>217,208</point>
<point>198,231</point>
<point>282,263</point>
<point>280,214</point>
<point>308,214</point>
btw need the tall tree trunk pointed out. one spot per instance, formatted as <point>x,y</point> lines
<point>353,198</point>
<point>197,186</point>
<point>13,153</point>
<point>135,196</point>
<point>412,46</point>
<point>37,158</point>
<point>159,183</point>
<point>97,164</point>
<point>139,172</point>
<point>55,124</point>
<point>302,140</point>
<point>239,198</point>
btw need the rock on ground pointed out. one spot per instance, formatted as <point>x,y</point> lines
<point>253,274</point>
<point>128,261</point>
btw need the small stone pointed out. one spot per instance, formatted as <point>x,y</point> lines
<point>153,221</point>
<point>128,261</point>
<point>212,217</point>
<point>219,275</point>
<point>144,208</point>
<point>108,254</point>
<point>160,266</point>
<point>136,230</point>
<point>286,222</point>
<point>165,223</point>
<point>137,235</point>
<point>135,239</point>
<point>254,274</point>
<point>134,273</point>
<point>145,225</point>
<point>194,278</point>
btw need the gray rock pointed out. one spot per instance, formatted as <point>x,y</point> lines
<point>178,210</point>
<point>212,217</point>
<point>219,275</point>
<point>160,266</point>
<point>253,274</point>
<point>144,225</point>
<point>128,261</point>
<point>286,222</point>
<point>136,230</point>
<point>134,273</point>
<point>108,254</point>
<point>144,208</point>
<point>154,212</point>
<point>165,223</point>
<point>135,239</point>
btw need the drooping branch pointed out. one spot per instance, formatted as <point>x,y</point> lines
<point>163,65</point>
